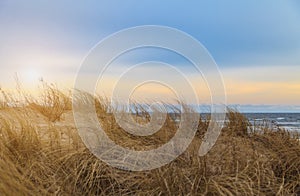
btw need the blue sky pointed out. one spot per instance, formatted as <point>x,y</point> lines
<point>52,37</point>
<point>246,32</point>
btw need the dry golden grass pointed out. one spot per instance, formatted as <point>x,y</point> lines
<point>42,154</point>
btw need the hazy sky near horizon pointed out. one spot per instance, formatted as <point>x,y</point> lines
<point>256,44</point>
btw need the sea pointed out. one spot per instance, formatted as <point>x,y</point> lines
<point>288,121</point>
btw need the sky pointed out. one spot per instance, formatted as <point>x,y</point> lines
<point>256,44</point>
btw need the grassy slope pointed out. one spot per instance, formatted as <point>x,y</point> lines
<point>41,153</point>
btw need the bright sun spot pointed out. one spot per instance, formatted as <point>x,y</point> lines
<point>31,76</point>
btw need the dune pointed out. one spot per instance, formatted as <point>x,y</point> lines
<point>42,153</point>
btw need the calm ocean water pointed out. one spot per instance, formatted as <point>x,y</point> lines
<point>289,121</point>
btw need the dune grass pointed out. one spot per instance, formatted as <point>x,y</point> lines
<point>41,153</point>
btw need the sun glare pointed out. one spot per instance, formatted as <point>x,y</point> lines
<point>30,76</point>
